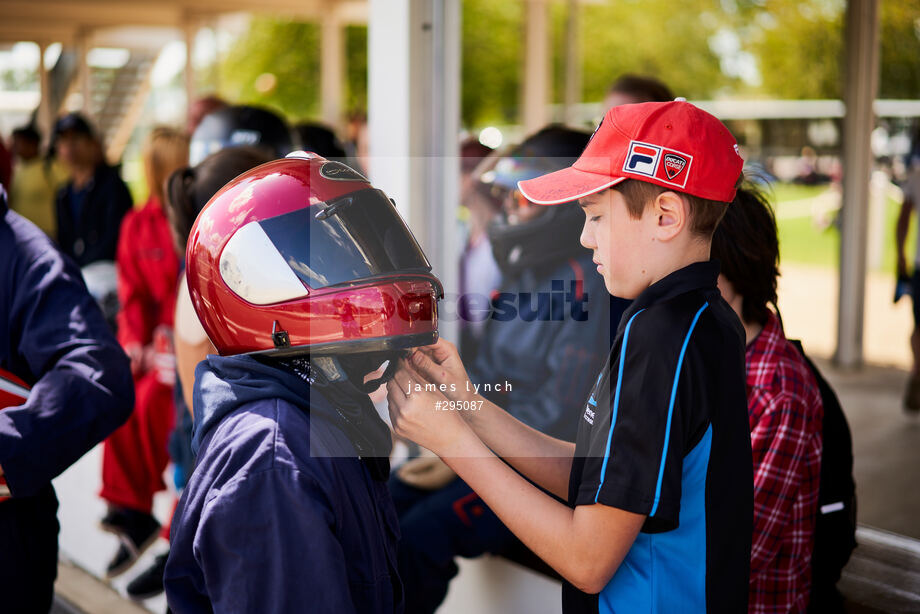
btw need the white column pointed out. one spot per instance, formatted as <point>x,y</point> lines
<point>572,64</point>
<point>536,65</point>
<point>443,152</point>
<point>861,86</point>
<point>388,99</point>
<point>44,118</point>
<point>414,122</point>
<point>332,67</point>
<point>83,76</point>
<point>190,31</point>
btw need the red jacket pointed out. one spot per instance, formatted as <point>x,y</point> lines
<point>148,271</point>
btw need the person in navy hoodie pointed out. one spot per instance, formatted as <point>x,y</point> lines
<point>54,339</point>
<point>307,282</point>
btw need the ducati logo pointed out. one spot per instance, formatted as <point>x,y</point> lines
<point>674,165</point>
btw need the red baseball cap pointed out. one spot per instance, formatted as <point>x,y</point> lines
<point>671,144</point>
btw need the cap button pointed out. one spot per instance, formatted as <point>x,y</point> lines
<point>303,155</point>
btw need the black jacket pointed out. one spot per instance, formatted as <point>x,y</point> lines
<point>94,236</point>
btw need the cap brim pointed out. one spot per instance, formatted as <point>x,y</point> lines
<point>564,186</point>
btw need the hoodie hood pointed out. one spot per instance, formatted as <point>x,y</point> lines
<point>224,383</point>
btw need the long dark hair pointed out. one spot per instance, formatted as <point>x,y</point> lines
<point>189,189</point>
<point>747,244</point>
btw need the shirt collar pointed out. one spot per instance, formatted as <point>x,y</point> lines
<point>696,276</point>
<point>96,177</point>
<point>763,353</point>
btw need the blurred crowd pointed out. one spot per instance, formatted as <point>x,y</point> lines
<point>132,259</point>
<point>131,256</point>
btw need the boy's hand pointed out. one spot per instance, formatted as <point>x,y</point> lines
<point>440,364</point>
<point>423,416</point>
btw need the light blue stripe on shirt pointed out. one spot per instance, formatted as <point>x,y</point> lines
<point>667,432</point>
<point>616,401</point>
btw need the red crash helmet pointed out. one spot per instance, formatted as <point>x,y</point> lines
<point>303,256</point>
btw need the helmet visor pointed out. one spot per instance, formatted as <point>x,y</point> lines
<point>354,237</point>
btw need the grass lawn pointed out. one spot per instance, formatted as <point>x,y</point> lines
<point>802,241</point>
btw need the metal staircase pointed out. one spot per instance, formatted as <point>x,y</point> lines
<point>117,95</point>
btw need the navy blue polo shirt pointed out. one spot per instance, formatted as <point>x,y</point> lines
<point>665,434</point>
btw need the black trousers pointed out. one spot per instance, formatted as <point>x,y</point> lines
<point>28,552</point>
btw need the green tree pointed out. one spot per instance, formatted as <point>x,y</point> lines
<point>275,64</point>
<point>493,55</point>
<point>665,39</point>
<point>800,47</point>
<point>356,68</point>
<point>899,34</point>
<point>796,47</point>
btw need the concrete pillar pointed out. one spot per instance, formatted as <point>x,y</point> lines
<point>878,231</point>
<point>83,76</point>
<point>44,118</point>
<point>442,179</point>
<point>536,65</point>
<point>414,125</point>
<point>332,67</point>
<point>388,100</point>
<point>190,31</point>
<point>862,50</point>
<point>572,64</point>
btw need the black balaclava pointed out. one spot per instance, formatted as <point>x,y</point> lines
<point>340,380</point>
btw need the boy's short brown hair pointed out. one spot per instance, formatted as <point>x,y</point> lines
<point>705,215</point>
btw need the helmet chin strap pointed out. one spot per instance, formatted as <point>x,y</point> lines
<point>340,379</point>
<point>353,369</point>
<point>387,375</point>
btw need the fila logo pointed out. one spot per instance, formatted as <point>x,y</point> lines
<point>674,165</point>
<point>642,159</point>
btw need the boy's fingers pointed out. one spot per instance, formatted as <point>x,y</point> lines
<point>428,351</point>
<point>395,396</point>
<point>444,349</point>
<point>422,364</point>
<point>394,390</point>
<point>403,380</point>
<point>423,376</point>
<point>439,351</point>
<point>433,369</point>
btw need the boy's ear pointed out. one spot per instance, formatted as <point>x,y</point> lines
<point>672,215</point>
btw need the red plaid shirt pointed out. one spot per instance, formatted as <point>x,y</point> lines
<point>785,411</point>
